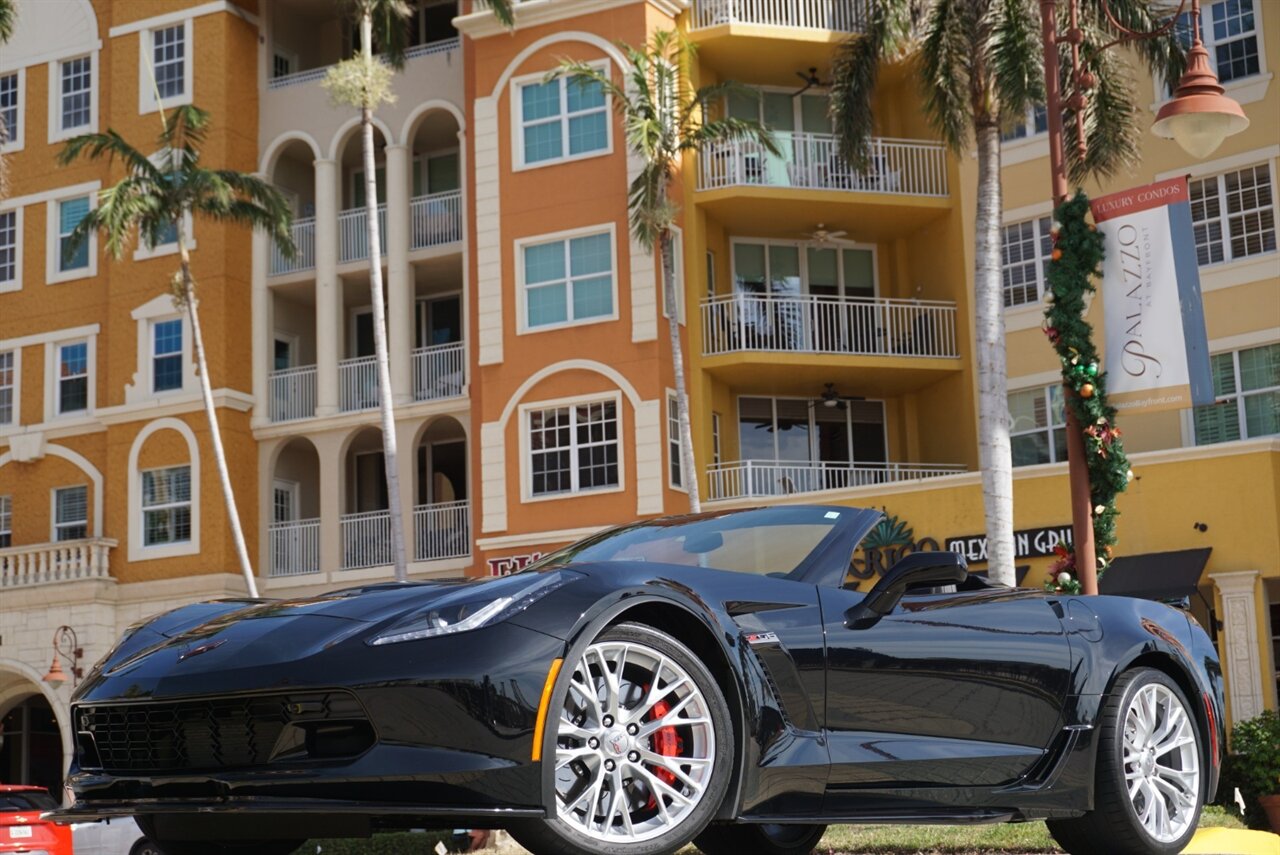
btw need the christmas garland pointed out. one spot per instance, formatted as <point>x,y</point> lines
<point>1075,262</point>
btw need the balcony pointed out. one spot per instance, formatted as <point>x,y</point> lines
<point>439,371</point>
<point>353,234</point>
<point>435,220</point>
<point>358,384</point>
<point>314,75</point>
<point>304,242</point>
<point>439,531</point>
<point>48,563</point>
<point>845,16</point>
<point>293,393</point>
<point>295,547</point>
<point>754,479</point>
<point>811,161</point>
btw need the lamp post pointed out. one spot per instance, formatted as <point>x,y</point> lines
<point>66,645</point>
<point>1199,117</point>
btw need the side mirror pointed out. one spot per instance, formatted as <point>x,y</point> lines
<point>929,569</point>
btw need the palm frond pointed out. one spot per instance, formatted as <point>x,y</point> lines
<point>121,210</point>
<point>1016,57</point>
<point>113,146</point>
<point>950,47</point>
<point>855,70</point>
<point>730,129</point>
<point>504,11</point>
<point>1162,55</point>
<point>1110,122</point>
<point>391,29</point>
<point>8,19</point>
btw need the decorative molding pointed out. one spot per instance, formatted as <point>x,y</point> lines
<point>81,462</point>
<point>50,194</point>
<point>47,32</point>
<point>138,552</point>
<point>139,391</point>
<point>52,335</point>
<point>569,365</point>
<point>203,9</point>
<point>650,468</point>
<point>1240,640</point>
<point>1242,271</point>
<point>493,477</point>
<point>1244,340</point>
<point>1014,152</point>
<point>488,236</point>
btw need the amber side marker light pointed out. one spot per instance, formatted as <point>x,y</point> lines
<point>540,726</point>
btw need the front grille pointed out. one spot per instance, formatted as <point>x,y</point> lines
<point>218,733</point>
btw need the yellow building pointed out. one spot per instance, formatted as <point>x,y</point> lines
<point>827,319</point>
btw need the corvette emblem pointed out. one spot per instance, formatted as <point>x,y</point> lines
<point>757,638</point>
<point>203,648</point>
<point>617,743</point>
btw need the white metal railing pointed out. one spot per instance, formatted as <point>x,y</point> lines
<point>295,547</point>
<point>66,561</point>
<point>846,16</point>
<point>358,383</point>
<point>304,242</point>
<point>312,74</point>
<point>813,161</point>
<point>746,479</point>
<point>439,371</point>
<point>353,233</point>
<point>366,539</point>
<point>811,324</point>
<point>435,219</point>
<point>442,531</point>
<point>293,393</point>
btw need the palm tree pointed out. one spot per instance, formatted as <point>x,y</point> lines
<point>364,82</point>
<point>153,200</point>
<point>8,20</point>
<point>663,122</point>
<point>981,66</point>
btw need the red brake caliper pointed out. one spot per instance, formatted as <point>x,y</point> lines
<point>667,742</point>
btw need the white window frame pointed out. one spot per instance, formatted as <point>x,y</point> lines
<point>522,308</point>
<point>677,252</point>
<point>180,354</point>
<point>56,132</point>
<point>52,381</point>
<point>54,274</point>
<point>1038,223</point>
<point>1219,178</point>
<point>1046,392</point>
<point>55,526</point>
<point>136,551</point>
<point>144,251</point>
<point>147,102</point>
<point>15,419</point>
<point>6,520</point>
<point>291,57</point>
<point>803,247</point>
<point>1243,90</point>
<point>1028,124</point>
<point>526,447</point>
<point>189,504</point>
<point>17,137</point>
<point>710,290</point>
<point>674,446</point>
<point>517,121</point>
<point>14,284</point>
<point>294,491</point>
<point>717,450</point>
<point>813,423</point>
<point>1236,398</point>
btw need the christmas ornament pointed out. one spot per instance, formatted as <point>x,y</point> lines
<point>1086,391</point>
<point>1064,577</point>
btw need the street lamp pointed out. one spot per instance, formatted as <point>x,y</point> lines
<point>65,646</point>
<point>1199,117</point>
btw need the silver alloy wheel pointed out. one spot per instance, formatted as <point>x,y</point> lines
<point>1161,762</point>
<point>635,748</point>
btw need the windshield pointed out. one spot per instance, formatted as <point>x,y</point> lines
<point>763,542</point>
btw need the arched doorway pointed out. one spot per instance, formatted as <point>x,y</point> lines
<point>31,745</point>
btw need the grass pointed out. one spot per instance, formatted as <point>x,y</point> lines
<point>1022,838</point>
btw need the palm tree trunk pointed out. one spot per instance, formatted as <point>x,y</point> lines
<point>687,461</point>
<point>215,435</point>
<point>994,454</point>
<point>390,455</point>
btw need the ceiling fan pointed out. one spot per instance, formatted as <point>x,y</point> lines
<point>831,398</point>
<point>822,235</point>
<point>810,80</point>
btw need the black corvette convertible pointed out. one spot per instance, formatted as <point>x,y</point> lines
<point>706,677</point>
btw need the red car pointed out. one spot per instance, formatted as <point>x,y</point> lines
<point>21,828</point>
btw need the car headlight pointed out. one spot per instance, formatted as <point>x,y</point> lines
<point>474,606</point>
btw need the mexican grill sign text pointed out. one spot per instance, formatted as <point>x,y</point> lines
<point>1156,349</point>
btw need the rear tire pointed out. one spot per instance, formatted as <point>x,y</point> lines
<point>763,839</point>
<point>641,744</point>
<point>1148,789</point>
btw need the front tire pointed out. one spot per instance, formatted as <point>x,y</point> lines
<point>1149,788</point>
<point>642,748</point>
<point>760,839</point>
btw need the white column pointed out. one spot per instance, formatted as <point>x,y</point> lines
<point>1241,659</point>
<point>261,328</point>
<point>328,289</point>
<point>399,275</point>
<point>329,450</point>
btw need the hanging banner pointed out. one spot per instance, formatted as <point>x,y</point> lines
<point>1157,353</point>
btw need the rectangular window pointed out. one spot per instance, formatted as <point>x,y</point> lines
<point>8,247</point>
<point>1233,215</point>
<point>568,281</point>
<point>169,51</point>
<point>71,513</point>
<point>73,377</point>
<point>10,110</point>
<point>166,506</point>
<point>562,119</point>
<point>1035,121</point>
<point>70,213</point>
<point>75,95</point>
<point>675,461</point>
<point>1229,32</point>
<point>166,356</point>
<point>1037,423</point>
<point>1024,256</point>
<point>6,521</point>
<point>8,387</point>
<point>281,65</point>
<point>1247,386</point>
<point>574,449</point>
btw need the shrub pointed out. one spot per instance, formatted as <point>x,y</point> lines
<point>1254,764</point>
